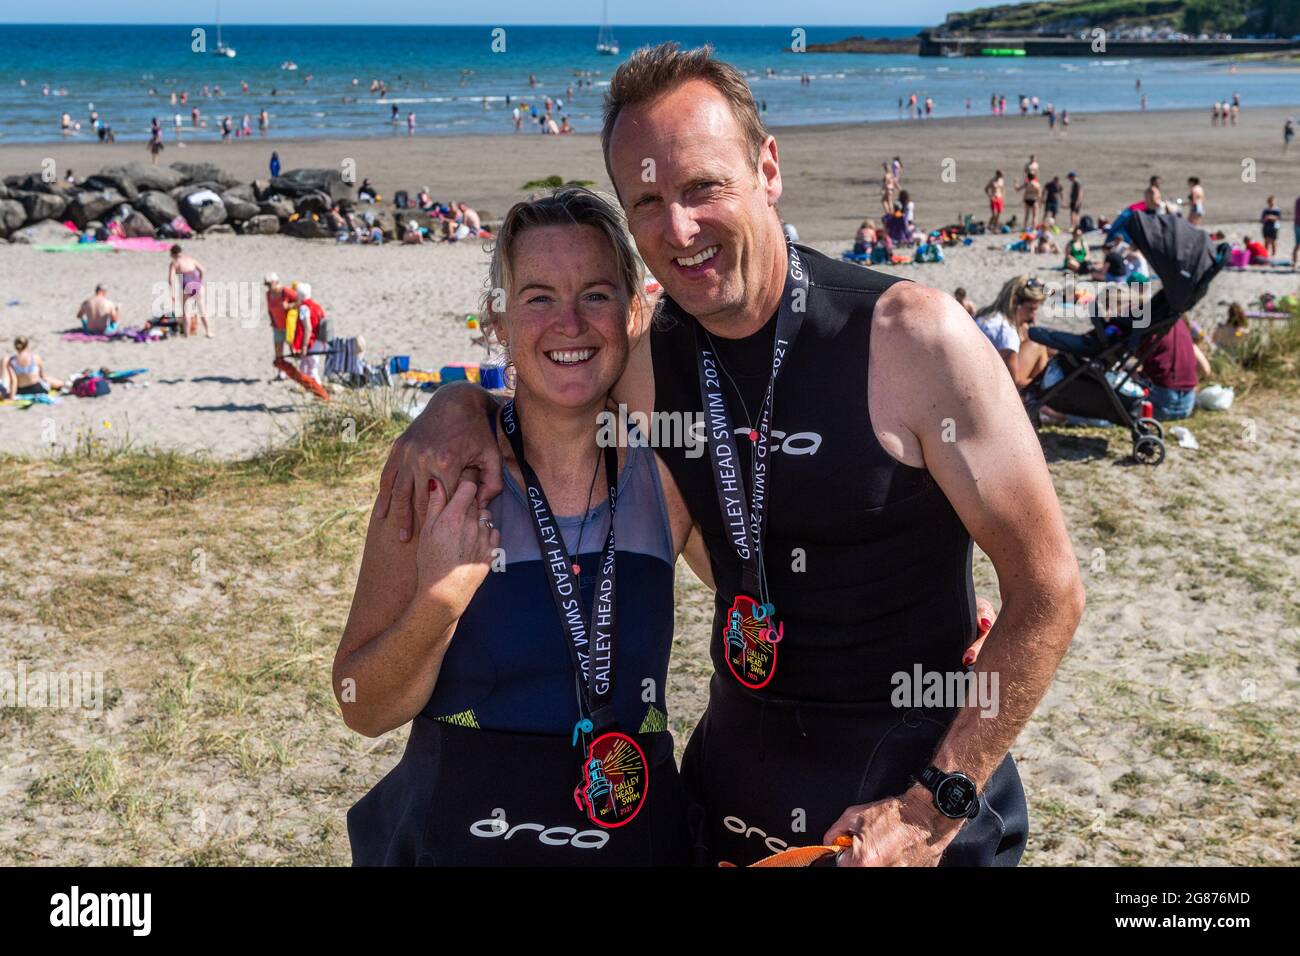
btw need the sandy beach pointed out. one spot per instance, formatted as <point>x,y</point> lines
<point>218,395</point>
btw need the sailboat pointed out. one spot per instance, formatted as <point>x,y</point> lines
<point>605,42</point>
<point>222,49</point>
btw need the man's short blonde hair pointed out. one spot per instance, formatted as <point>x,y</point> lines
<point>653,71</point>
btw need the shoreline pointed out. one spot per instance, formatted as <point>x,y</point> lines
<point>212,136</point>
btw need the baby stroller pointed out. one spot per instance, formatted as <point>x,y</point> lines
<point>1091,370</point>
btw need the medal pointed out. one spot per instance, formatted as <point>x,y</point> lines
<point>614,778</point>
<point>751,632</point>
<point>751,653</point>
<point>614,781</point>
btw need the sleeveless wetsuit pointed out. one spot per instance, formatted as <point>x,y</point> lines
<point>869,568</point>
<point>489,772</point>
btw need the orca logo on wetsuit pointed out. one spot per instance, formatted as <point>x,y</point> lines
<point>737,825</point>
<point>798,443</point>
<point>550,836</point>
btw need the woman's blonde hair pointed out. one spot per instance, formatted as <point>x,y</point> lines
<point>1015,290</point>
<point>567,206</point>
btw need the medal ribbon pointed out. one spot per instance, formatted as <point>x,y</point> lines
<point>744,526</point>
<point>591,647</point>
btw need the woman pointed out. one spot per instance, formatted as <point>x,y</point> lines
<point>1076,254</point>
<point>1269,218</point>
<point>187,272</point>
<point>155,141</point>
<point>28,371</point>
<point>1006,324</point>
<point>486,664</point>
<point>1230,334</point>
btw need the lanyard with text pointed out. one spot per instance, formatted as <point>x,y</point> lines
<point>752,632</point>
<point>614,782</point>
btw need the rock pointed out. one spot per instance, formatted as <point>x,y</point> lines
<point>318,203</point>
<point>242,191</point>
<point>205,172</point>
<point>204,217</point>
<point>87,205</point>
<point>12,216</point>
<point>145,176</point>
<point>307,228</point>
<point>4,191</point>
<point>35,184</point>
<point>220,229</point>
<point>262,189</point>
<point>42,233</point>
<point>42,206</point>
<point>237,208</point>
<point>211,185</point>
<point>298,182</point>
<point>158,207</point>
<point>121,183</point>
<point>262,225</point>
<point>279,207</point>
<point>137,224</point>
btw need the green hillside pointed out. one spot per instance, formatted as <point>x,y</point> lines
<point>1237,17</point>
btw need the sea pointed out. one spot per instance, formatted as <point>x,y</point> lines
<point>468,79</point>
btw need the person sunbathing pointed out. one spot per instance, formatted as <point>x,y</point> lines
<point>1043,242</point>
<point>99,315</point>
<point>28,370</point>
<point>1076,253</point>
<point>1114,267</point>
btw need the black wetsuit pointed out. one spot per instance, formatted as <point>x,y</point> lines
<point>868,566</point>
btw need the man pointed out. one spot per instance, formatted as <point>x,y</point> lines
<point>279,299</point>
<point>995,189</point>
<point>1195,201</point>
<point>99,315</point>
<point>1076,198</point>
<point>1033,191</point>
<point>854,570</point>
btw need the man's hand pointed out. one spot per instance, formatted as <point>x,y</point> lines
<point>897,831</point>
<point>450,436</point>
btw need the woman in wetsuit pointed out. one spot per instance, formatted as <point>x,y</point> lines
<point>528,642</point>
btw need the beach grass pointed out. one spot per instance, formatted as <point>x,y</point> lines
<point>211,596</point>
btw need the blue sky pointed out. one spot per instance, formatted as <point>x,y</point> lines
<point>734,12</point>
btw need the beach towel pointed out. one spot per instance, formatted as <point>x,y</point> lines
<point>342,360</point>
<point>310,384</point>
<point>134,333</point>
<point>73,247</point>
<point>140,244</point>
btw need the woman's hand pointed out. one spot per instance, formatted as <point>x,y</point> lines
<point>987,615</point>
<point>454,553</point>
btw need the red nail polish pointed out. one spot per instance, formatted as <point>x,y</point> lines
<point>985,624</point>
<point>969,659</point>
<point>433,484</point>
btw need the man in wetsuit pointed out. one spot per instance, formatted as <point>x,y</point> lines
<point>881,433</point>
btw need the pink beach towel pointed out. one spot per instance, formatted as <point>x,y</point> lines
<point>139,244</point>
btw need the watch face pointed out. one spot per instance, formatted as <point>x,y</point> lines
<point>955,795</point>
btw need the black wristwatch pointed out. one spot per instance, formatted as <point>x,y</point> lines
<point>955,794</point>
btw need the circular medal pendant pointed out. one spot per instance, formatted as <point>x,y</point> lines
<point>753,434</point>
<point>576,570</point>
<point>615,781</point>
<point>751,657</point>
